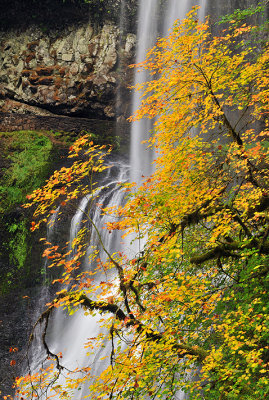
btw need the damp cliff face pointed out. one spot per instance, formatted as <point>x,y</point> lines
<point>75,71</point>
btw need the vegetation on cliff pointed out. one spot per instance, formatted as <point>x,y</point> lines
<point>25,163</point>
<point>26,156</point>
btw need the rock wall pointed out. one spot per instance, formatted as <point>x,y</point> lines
<point>75,71</point>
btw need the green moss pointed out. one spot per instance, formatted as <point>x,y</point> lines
<point>17,246</point>
<point>18,243</point>
<point>26,157</point>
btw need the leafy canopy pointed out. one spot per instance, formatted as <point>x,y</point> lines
<point>189,310</point>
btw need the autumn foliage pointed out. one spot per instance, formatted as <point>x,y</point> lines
<point>189,311</point>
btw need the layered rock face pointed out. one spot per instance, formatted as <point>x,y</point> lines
<point>75,71</point>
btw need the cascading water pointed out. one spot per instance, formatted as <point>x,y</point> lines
<point>202,11</point>
<point>142,158</point>
<point>68,334</point>
<point>43,298</point>
<point>50,231</point>
<point>149,15</point>
<point>154,20</point>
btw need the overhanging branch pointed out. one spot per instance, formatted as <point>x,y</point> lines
<point>229,249</point>
<point>102,306</point>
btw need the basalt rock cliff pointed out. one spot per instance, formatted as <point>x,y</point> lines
<point>75,71</point>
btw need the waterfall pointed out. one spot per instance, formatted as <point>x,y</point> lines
<point>202,11</point>
<point>67,334</point>
<point>142,158</point>
<point>43,297</point>
<point>50,231</point>
<point>153,21</point>
<point>149,27</point>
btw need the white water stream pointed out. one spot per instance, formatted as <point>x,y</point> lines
<point>153,21</point>
<point>68,334</point>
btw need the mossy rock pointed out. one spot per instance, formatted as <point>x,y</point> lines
<point>25,158</point>
<point>25,164</point>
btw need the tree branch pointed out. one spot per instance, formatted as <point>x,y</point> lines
<point>226,250</point>
<point>102,307</point>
